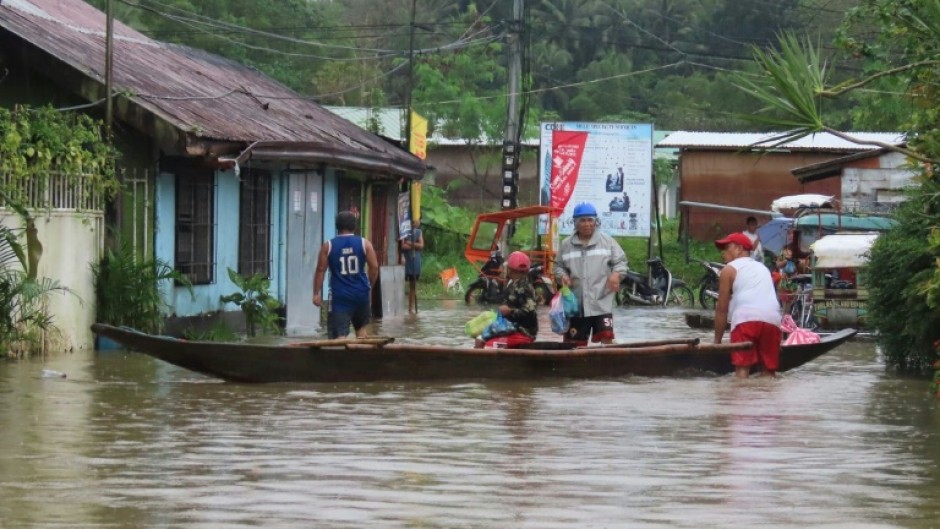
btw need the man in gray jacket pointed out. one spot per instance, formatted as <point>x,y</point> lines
<point>592,264</point>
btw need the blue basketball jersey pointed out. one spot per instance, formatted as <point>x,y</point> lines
<point>349,283</point>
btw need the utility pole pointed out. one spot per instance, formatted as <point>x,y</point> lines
<point>511,138</point>
<point>108,68</point>
<point>411,76</point>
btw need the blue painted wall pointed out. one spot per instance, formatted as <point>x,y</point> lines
<point>330,204</point>
<point>205,298</point>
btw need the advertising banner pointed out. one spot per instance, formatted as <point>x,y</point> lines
<point>609,165</point>
<point>404,215</point>
<point>419,135</point>
<point>567,150</point>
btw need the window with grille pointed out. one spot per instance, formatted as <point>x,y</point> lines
<point>195,229</point>
<point>254,224</point>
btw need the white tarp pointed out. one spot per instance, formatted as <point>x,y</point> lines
<point>843,249</point>
<point>799,201</point>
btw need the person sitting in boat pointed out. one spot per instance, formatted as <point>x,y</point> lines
<point>520,305</point>
<point>354,268</point>
<point>746,294</point>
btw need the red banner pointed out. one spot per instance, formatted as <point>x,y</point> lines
<point>567,149</point>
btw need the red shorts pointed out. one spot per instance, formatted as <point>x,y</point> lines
<point>508,342</point>
<point>766,339</point>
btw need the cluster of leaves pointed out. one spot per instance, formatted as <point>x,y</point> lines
<point>900,264</point>
<point>663,61</point>
<point>36,142</point>
<point>935,381</point>
<point>128,289</point>
<point>256,302</point>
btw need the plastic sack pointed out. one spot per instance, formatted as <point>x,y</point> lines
<point>798,335</point>
<point>570,302</point>
<point>479,323</point>
<point>500,327</point>
<point>556,315</point>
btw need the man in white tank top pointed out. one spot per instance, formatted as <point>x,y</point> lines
<point>746,293</point>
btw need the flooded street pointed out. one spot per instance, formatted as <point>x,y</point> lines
<point>128,441</point>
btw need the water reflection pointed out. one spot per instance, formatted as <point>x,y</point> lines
<point>126,441</point>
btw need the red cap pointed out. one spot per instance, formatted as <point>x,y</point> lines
<point>737,238</point>
<point>518,261</point>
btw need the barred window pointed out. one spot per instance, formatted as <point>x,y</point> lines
<point>195,228</point>
<point>254,223</point>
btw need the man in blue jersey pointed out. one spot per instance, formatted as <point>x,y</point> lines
<point>346,257</point>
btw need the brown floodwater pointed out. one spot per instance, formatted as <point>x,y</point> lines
<point>128,441</point>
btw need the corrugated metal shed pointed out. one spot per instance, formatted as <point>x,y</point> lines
<point>742,140</point>
<point>207,99</point>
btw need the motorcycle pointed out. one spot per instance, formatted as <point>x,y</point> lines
<point>491,286</point>
<point>708,284</point>
<point>657,287</point>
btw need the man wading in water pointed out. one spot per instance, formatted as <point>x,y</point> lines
<point>746,291</point>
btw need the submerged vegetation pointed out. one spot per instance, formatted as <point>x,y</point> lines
<point>128,289</point>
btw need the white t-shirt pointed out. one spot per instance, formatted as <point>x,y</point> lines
<point>753,297</point>
<point>757,253</point>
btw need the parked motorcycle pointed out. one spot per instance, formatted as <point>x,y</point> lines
<point>490,285</point>
<point>708,284</point>
<point>657,287</point>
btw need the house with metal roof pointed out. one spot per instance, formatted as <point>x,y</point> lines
<point>224,167</point>
<point>870,181</point>
<point>750,170</point>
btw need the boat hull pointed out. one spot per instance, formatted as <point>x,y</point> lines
<point>351,362</point>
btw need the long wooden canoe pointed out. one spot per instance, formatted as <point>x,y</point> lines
<point>383,360</point>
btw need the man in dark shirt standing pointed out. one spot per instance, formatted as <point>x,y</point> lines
<point>346,256</point>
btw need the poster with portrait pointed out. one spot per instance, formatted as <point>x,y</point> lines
<point>609,165</point>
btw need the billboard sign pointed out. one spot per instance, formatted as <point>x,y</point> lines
<point>609,165</point>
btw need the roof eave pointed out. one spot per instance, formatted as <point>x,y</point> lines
<point>321,153</point>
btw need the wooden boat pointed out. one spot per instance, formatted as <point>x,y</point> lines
<point>379,359</point>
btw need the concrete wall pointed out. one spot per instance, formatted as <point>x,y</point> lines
<point>71,242</point>
<point>876,187</point>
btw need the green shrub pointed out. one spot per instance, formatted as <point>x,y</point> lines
<point>900,265</point>
<point>256,302</point>
<point>128,290</point>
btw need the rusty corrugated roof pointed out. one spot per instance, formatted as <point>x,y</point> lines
<point>205,97</point>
